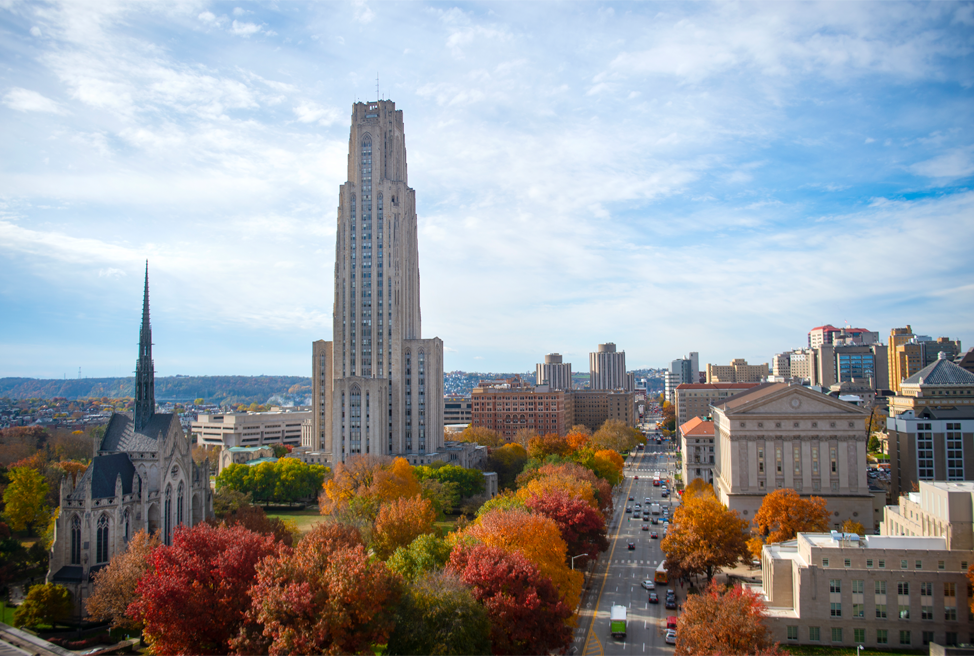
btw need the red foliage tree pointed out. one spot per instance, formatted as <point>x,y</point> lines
<point>725,621</point>
<point>582,527</point>
<point>526,613</point>
<point>324,597</point>
<point>193,598</point>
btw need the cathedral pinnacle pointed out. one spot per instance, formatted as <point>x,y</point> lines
<point>145,394</point>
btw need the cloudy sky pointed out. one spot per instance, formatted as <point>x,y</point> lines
<point>672,177</point>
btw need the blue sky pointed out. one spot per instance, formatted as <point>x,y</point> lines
<point>672,177</point>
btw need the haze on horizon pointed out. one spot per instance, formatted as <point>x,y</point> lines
<point>671,177</point>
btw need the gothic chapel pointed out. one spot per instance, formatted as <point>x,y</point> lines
<point>142,477</point>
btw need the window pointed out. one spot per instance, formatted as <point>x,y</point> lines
<point>882,564</point>
<point>792,632</point>
<point>101,541</point>
<point>924,448</point>
<point>858,610</point>
<point>836,634</point>
<point>859,635</point>
<point>905,638</point>
<point>858,586</point>
<point>847,562</point>
<point>882,637</point>
<point>927,637</point>
<point>926,589</point>
<point>919,564</point>
<point>955,452</point>
<point>950,613</point>
<point>926,612</point>
<point>904,612</point>
<point>825,562</point>
<point>869,562</point>
<point>904,564</point>
<point>835,609</point>
<point>903,588</point>
<point>76,541</point>
<point>950,589</point>
<point>940,564</point>
<point>951,639</point>
<point>813,634</point>
<point>835,585</point>
<point>880,587</point>
<point>880,611</point>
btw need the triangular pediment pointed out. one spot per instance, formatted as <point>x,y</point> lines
<point>794,400</point>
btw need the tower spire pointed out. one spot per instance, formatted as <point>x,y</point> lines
<point>145,385</point>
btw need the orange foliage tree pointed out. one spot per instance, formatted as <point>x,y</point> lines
<point>401,521</point>
<point>542,446</point>
<point>326,596</point>
<point>538,539</point>
<point>361,484</point>
<point>704,537</point>
<point>115,585</point>
<point>784,514</point>
<point>724,622</point>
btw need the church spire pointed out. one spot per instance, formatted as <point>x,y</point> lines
<point>145,385</point>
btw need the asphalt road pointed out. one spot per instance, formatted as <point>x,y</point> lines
<point>620,573</point>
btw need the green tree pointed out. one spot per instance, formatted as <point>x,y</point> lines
<point>438,614</point>
<point>198,401</point>
<point>424,554</point>
<point>508,461</point>
<point>45,604</point>
<point>469,481</point>
<point>26,500</point>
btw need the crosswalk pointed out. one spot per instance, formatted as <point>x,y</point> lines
<point>633,561</point>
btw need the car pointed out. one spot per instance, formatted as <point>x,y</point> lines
<point>670,603</point>
<point>653,598</point>
<point>629,509</point>
<point>637,507</point>
<point>670,592</point>
<point>665,494</point>
<point>654,535</point>
<point>649,584</point>
<point>670,637</point>
<point>645,527</point>
<point>631,498</point>
<point>635,478</point>
<point>648,500</point>
<point>632,546</point>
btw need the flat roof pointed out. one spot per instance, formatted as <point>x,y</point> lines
<point>931,543</point>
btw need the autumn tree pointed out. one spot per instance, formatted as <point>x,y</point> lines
<point>399,522</point>
<point>720,621</point>
<point>507,461</point>
<point>115,585</point>
<point>438,614</point>
<point>482,436</point>
<point>698,486</point>
<point>326,596</point>
<point>578,439</point>
<point>542,446</point>
<point>193,597</point>
<point>253,518</point>
<point>46,603</point>
<point>361,484</point>
<point>970,580</point>
<point>538,539</point>
<point>852,526</point>
<point>524,435</point>
<point>784,514</point>
<point>582,526</point>
<point>25,499</point>
<point>614,434</point>
<point>426,553</point>
<point>527,614</point>
<point>704,537</point>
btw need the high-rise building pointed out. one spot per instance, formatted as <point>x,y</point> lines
<point>738,371</point>
<point>909,353</point>
<point>682,371</point>
<point>384,392</point>
<point>607,368</point>
<point>829,334</point>
<point>554,373</point>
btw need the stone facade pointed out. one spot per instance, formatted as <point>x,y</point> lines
<point>250,428</point>
<point>607,368</point>
<point>738,371</point>
<point>877,591</point>
<point>593,408</point>
<point>378,386</point>
<point>785,436</point>
<point>939,509</point>
<point>697,445</point>
<point>554,373</point>
<point>694,399</point>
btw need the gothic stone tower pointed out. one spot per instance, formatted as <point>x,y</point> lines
<point>378,386</point>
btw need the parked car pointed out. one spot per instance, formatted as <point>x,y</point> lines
<point>670,602</point>
<point>670,637</point>
<point>649,584</point>
<point>653,598</point>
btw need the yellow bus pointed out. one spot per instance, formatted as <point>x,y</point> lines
<point>661,575</point>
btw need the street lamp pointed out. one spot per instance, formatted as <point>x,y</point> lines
<point>574,557</point>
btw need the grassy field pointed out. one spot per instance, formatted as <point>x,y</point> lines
<point>306,519</point>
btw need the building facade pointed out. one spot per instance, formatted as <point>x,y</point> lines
<point>554,373</point>
<point>457,410</point>
<point>385,386</point>
<point>607,368</point>
<point>829,334</point>
<point>738,371</point>
<point>142,477</point>
<point>248,429</point>
<point>908,353</point>
<point>697,444</point>
<point>776,436</point>
<point>592,408</point>
<point>940,509</point>
<point>509,405</point>
<point>877,591</point>
<point>694,399</point>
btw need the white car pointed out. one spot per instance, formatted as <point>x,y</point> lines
<point>649,584</point>
<point>670,637</point>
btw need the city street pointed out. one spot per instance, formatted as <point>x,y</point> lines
<point>620,573</point>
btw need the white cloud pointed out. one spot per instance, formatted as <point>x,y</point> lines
<point>244,29</point>
<point>35,31</point>
<point>309,112</point>
<point>956,163</point>
<point>239,11</point>
<point>25,100</point>
<point>362,12</point>
<point>110,272</point>
<point>208,17</point>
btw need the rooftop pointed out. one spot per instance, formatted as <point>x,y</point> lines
<point>941,372</point>
<point>829,541</point>
<point>697,427</point>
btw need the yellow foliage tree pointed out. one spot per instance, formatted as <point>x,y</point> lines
<point>609,465</point>
<point>401,521</point>
<point>575,487</point>
<point>361,484</point>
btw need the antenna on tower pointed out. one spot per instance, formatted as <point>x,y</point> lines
<point>377,96</point>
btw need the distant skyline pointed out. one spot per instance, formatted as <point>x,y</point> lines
<point>671,177</point>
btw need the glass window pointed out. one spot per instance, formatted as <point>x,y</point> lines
<point>859,635</point>
<point>926,612</point>
<point>927,637</point>
<point>904,612</point>
<point>919,564</point>
<point>835,608</point>
<point>813,633</point>
<point>792,633</point>
<point>835,585</point>
<point>880,611</point>
<point>858,610</point>
<point>825,562</point>
<point>950,613</point>
<point>847,562</point>
<point>903,588</point>
<point>926,589</point>
<point>882,637</point>
<point>904,564</point>
<point>836,634</point>
<point>869,562</point>
<point>905,638</point>
<point>880,587</point>
<point>858,586</point>
<point>882,564</point>
<point>950,589</point>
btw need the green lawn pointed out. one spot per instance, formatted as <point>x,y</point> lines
<point>306,519</point>
<point>7,613</point>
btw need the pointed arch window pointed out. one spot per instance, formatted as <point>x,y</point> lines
<point>167,516</point>
<point>101,540</point>
<point>127,520</point>
<point>180,503</point>
<point>76,540</point>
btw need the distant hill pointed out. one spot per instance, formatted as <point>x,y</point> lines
<point>213,389</point>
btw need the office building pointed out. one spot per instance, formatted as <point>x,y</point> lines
<point>738,371</point>
<point>508,405</point>
<point>930,430</point>
<point>554,373</point>
<point>829,334</point>
<point>249,429</point>
<point>384,392</point>
<point>592,408</point>
<point>681,370</point>
<point>843,590</point>
<point>940,509</point>
<point>776,436</point>
<point>607,368</point>
<point>456,410</point>
<point>909,353</point>
<point>697,444</point>
<point>694,399</point>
